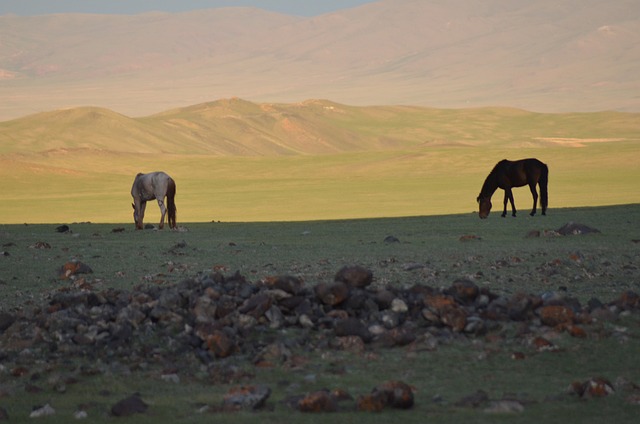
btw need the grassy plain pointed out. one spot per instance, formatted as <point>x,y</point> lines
<point>236,161</point>
<point>600,265</point>
<point>276,189</point>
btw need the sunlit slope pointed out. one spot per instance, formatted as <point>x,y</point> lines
<point>240,161</point>
<point>234,127</point>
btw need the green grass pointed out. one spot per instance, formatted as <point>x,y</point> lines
<point>239,161</point>
<point>315,250</point>
<point>349,185</point>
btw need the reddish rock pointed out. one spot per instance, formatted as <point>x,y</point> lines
<point>354,276</point>
<point>554,315</point>
<point>464,290</point>
<point>72,268</point>
<point>398,394</point>
<point>576,331</point>
<point>246,398</point>
<point>438,302</point>
<point>320,401</point>
<point>220,344</point>
<point>332,294</point>
<point>454,317</point>
<point>286,283</point>
<point>373,402</point>
<point>594,387</point>
<point>543,345</point>
<point>629,300</point>
<point>470,237</point>
<point>518,356</point>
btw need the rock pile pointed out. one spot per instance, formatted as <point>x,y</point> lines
<point>212,316</point>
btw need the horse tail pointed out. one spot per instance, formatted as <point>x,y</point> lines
<point>171,204</point>
<point>544,193</point>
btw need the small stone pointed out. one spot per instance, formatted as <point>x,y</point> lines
<point>554,315</point>
<point>332,294</point>
<point>129,406</point>
<point>316,402</point>
<point>42,411</point>
<point>398,394</point>
<point>246,398</point>
<point>373,402</point>
<point>80,415</point>
<point>355,276</point>
<point>504,407</point>
<point>399,306</point>
<point>352,327</point>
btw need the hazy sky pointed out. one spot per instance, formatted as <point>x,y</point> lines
<point>291,7</point>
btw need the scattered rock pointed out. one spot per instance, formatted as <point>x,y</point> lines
<point>391,239</point>
<point>316,402</point>
<point>470,237</point>
<point>555,315</point>
<point>474,400</point>
<point>63,229</point>
<point>397,394</point>
<point>572,228</point>
<point>248,398</point>
<point>73,268</point>
<point>6,320</point>
<point>332,294</point>
<point>129,406</point>
<point>352,327</point>
<point>355,276</point>
<point>372,402</point>
<point>594,387</point>
<point>504,407</point>
<point>42,411</point>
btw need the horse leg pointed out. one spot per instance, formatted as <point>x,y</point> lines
<point>143,206</point>
<point>508,194</point>
<point>506,199</point>
<point>163,212</point>
<point>534,193</point>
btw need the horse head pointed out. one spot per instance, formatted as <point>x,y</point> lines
<point>485,206</point>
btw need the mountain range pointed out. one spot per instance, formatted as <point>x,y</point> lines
<point>548,56</point>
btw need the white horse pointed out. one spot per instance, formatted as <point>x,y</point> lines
<point>155,185</point>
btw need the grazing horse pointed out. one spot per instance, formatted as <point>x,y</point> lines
<point>155,185</point>
<point>506,175</point>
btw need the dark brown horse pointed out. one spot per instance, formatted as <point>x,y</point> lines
<point>506,175</point>
<point>155,185</point>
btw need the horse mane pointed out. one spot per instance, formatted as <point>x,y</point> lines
<point>491,182</point>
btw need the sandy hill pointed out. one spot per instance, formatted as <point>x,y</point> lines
<point>549,55</point>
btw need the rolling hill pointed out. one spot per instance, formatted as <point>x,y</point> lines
<point>548,56</point>
<point>236,160</point>
<point>236,127</point>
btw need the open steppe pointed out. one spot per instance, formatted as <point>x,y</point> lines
<point>149,316</point>
<point>235,160</point>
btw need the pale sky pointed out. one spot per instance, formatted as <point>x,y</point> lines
<point>290,7</point>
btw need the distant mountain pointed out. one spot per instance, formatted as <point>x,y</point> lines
<point>548,55</point>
